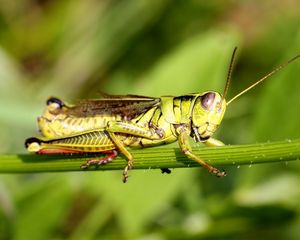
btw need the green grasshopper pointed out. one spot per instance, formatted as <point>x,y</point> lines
<point>112,123</point>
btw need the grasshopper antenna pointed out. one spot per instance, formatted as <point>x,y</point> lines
<point>264,78</point>
<point>229,74</point>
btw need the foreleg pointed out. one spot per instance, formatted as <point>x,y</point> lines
<point>187,150</point>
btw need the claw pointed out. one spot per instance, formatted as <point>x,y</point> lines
<point>126,169</point>
<point>218,173</point>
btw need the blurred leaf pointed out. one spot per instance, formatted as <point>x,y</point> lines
<point>197,65</point>
<point>86,51</point>
<point>41,213</point>
<point>281,91</point>
<point>270,191</point>
<point>10,75</point>
<point>7,212</point>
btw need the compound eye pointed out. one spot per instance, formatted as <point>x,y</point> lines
<point>207,100</point>
<point>55,100</point>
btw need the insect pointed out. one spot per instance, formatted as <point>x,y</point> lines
<point>111,124</point>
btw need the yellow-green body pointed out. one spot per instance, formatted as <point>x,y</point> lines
<point>68,132</point>
<point>158,121</point>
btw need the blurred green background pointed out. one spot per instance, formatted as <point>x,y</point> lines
<point>74,49</point>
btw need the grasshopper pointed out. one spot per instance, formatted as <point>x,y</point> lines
<point>112,123</point>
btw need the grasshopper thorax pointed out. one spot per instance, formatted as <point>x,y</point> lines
<point>207,115</point>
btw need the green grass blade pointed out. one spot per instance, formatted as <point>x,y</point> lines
<point>159,157</point>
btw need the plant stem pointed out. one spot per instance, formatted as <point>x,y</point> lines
<point>158,157</point>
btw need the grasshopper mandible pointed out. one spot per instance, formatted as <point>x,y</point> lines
<point>112,123</point>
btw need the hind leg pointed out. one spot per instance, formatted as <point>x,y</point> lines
<point>111,155</point>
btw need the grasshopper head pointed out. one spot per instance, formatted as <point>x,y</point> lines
<point>207,115</point>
